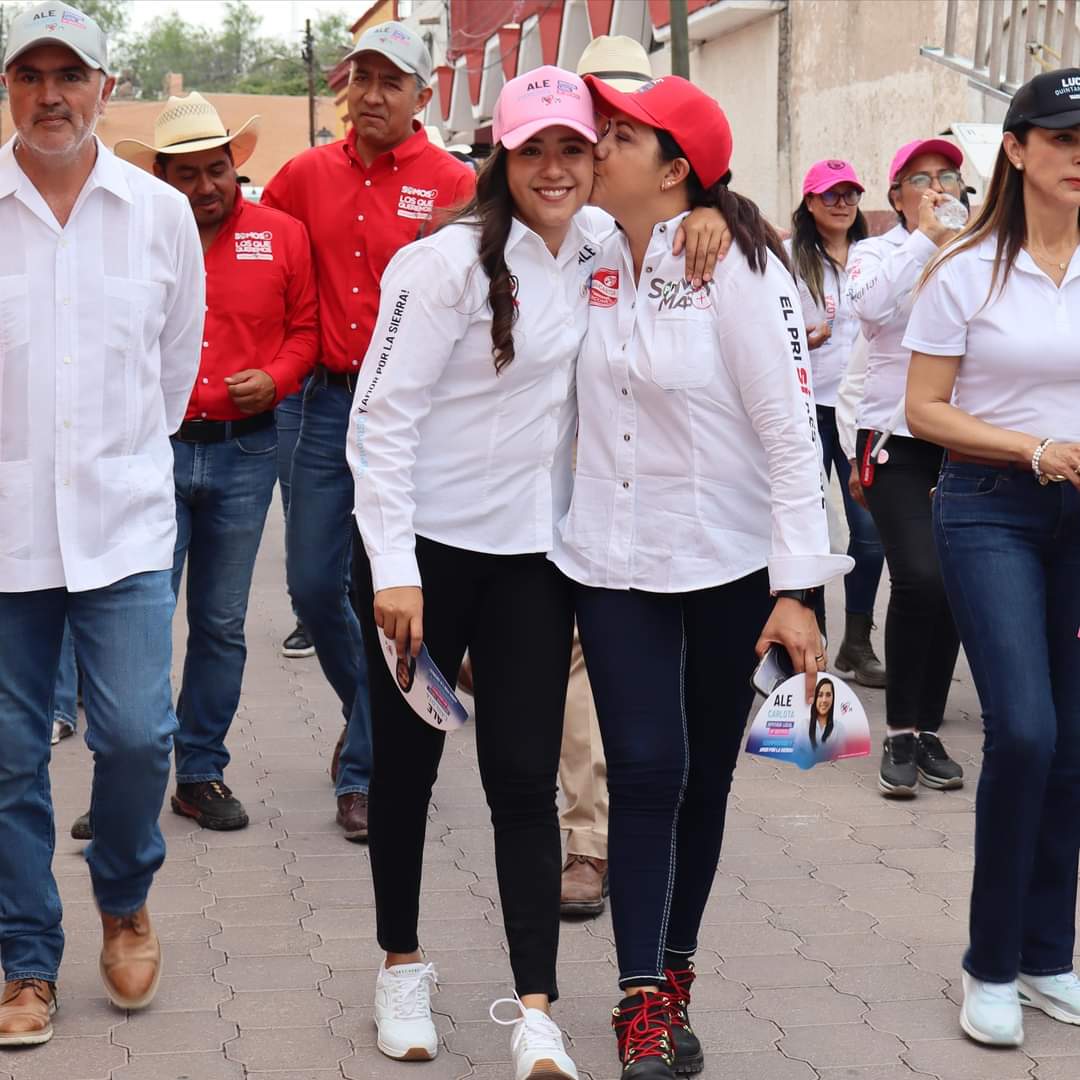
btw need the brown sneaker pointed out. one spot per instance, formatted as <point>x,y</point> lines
<point>130,959</point>
<point>584,885</point>
<point>335,761</point>
<point>26,1011</point>
<point>352,815</point>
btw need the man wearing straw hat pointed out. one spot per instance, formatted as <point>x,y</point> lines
<point>362,199</point>
<point>101,311</point>
<point>259,342</point>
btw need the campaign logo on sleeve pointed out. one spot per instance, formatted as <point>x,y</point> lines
<point>604,288</point>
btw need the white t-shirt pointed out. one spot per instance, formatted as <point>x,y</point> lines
<point>1019,368</point>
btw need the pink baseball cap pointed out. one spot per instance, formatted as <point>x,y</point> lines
<point>924,146</point>
<point>542,98</point>
<point>827,174</point>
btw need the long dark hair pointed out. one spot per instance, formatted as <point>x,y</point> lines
<point>813,714</point>
<point>749,229</point>
<point>809,255</point>
<point>493,208</point>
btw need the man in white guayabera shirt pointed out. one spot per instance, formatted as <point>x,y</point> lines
<point>101,311</point>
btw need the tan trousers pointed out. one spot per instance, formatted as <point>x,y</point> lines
<point>582,768</point>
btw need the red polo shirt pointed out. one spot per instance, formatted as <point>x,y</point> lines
<point>261,309</point>
<point>358,218</point>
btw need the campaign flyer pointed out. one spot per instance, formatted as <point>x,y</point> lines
<point>424,687</point>
<point>831,727</point>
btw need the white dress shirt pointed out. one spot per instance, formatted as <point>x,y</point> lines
<point>882,271</point>
<point>100,332</point>
<point>698,460</point>
<point>441,445</point>
<point>1018,367</point>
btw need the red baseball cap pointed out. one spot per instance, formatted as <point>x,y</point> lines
<point>692,118</point>
<point>924,146</point>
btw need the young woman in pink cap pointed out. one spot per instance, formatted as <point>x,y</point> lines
<point>698,490</point>
<point>825,227</point>
<point>921,643</point>
<point>461,443</point>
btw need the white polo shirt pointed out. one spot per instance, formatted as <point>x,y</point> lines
<point>698,461</point>
<point>100,335</point>
<point>442,446</point>
<point>1019,367</point>
<point>882,271</point>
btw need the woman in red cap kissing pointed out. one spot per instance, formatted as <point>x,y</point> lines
<point>697,519</point>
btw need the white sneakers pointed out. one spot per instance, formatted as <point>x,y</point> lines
<point>1057,995</point>
<point>991,1012</point>
<point>403,1012</point>
<point>536,1044</point>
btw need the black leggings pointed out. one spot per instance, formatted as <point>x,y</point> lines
<point>514,614</point>
<point>921,642</point>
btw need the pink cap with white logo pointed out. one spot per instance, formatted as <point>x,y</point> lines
<point>542,98</point>
<point>827,174</point>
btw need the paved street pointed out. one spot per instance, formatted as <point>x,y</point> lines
<point>831,947</point>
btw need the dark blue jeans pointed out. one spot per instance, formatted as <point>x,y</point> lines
<point>1010,557</point>
<point>864,544</point>
<point>123,637</point>
<point>287,420</point>
<point>318,553</point>
<point>670,675</point>
<point>223,491</point>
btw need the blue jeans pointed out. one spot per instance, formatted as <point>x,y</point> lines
<point>123,636</point>
<point>65,706</point>
<point>223,491</point>
<point>1010,556</point>
<point>318,553</point>
<point>864,544</point>
<point>287,419</point>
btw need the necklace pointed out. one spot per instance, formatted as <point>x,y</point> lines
<point>1049,259</point>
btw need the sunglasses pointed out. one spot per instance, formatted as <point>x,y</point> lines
<point>920,181</point>
<point>848,198</point>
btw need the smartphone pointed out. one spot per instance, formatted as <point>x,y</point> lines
<point>774,668</point>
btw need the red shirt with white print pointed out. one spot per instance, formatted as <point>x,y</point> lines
<point>358,218</point>
<point>261,308</point>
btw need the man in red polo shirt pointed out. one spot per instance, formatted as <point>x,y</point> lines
<point>361,199</point>
<point>260,340</point>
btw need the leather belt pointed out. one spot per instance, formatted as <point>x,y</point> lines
<point>956,458</point>
<point>214,431</point>
<point>347,380</point>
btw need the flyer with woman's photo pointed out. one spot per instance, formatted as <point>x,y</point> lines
<point>831,727</point>
<point>424,687</point>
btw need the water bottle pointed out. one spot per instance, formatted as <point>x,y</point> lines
<point>951,213</point>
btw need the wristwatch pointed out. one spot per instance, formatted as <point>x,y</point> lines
<point>806,597</point>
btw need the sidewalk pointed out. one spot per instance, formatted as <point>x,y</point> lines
<point>831,947</point>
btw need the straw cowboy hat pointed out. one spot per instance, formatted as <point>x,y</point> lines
<point>185,126</point>
<point>620,61</point>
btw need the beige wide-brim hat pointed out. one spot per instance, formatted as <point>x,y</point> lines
<point>620,61</point>
<point>185,126</point>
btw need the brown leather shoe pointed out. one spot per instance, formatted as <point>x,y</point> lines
<point>335,761</point>
<point>584,885</point>
<point>26,1011</point>
<point>352,815</point>
<point>130,959</point>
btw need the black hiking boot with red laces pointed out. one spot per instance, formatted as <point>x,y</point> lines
<point>211,804</point>
<point>689,1057</point>
<point>642,1024</point>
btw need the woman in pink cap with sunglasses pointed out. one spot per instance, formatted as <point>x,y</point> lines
<point>825,227</point>
<point>921,643</point>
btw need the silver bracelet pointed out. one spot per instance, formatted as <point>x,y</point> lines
<point>1036,459</point>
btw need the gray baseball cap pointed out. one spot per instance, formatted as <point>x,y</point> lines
<point>57,24</point>
<point>403,48</point>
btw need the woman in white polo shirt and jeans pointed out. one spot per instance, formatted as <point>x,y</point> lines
<point>697,468</point>
<point>995,377</point>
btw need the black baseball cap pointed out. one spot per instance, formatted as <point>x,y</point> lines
<point>1050,100</point>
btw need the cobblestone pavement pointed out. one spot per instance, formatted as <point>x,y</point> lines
<point>831,946</point>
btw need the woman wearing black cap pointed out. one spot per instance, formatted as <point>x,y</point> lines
<point>994,377</point>
<point>698,487</point>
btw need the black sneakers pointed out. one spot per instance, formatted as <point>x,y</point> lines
<point>80,828</point>
<point>642,1024</point>
<point>689,1057</point>
<point>297,644</point>
<point>936,768</point>
<point>899,771</point>
<point>211,804</point>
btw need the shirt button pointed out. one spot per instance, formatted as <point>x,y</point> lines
<point>67,482</point>
<point>395,168</point>
<point>367,183</point>
<point>352,326</point>
<point>357,254</point>
<point>67,359</point>
<point>625,392</point>
<point>67,423</point>
<point>626,438</point>
<point>355,289</point>
<point>205,380</point>
<point>359,217</point>
<point>203,415</point>
<point>206,344</point>
<point>626,483</point>
<point>67,300</point>
<point>648,269</point>
<point>663,228</point>
<point>356,363</point>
